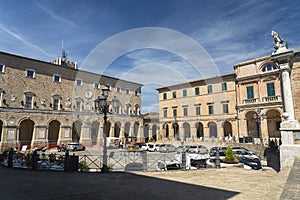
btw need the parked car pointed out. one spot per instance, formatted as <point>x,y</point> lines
<point>221,149</point>
<point>153,147</point>
<point>145,147</point>
<point>75,147</point>
<point>201,149</point>
<point>239,148</point>
<point>246,154</point>
<point>182,148</point>
<point>167,148</point>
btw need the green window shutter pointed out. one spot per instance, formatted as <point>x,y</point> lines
<point>184,93</point>
<point>250,93</point>
<point>270,89</point>
<point>165,96</point>
<point>224,86</point>
<point>197,91</point>
<point>209,89</point>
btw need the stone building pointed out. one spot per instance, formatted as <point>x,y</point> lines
<point>259,103</point>
<point>45,104</point>
<point>199,109</point>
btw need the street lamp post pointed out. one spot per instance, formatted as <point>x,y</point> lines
<point>102,105</point>
<point>260,116</point>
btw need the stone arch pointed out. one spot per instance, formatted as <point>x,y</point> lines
<point>94,132</point>
<point>227,127</point>
<point>213,130</point>
<point>146,132</point>
<point>127,130</point>
<point>76,131</point>
<point>26,132</point>
<point>53,133</point>
<point>273,121</point>
<point>106,128</point>
<point>199,129</point>
<point>117,130</point>
<point>154,132</point>
<point>136,126</point>
<point>166,127</point>
<point>252,124</point>
<point>186,130</point>
<point>175,127</point>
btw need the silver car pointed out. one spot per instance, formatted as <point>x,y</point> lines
<point>167,148</point>
<point>198,149</point>
<point>75,147</point>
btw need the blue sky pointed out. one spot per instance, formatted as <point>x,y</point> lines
<point>153,42</point>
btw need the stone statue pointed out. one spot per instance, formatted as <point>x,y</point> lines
<point>280,44</point>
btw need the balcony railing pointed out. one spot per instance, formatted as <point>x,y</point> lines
<point>264,99</point>
<point>272,98</point>
<point>248,101</point>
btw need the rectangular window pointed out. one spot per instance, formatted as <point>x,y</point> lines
<point>224,87</point>
<point>184,93</point>
<point>198,110</point>
<point>164,96</point>
<point>127,91</point>
<point>270,89</point>
<point>165,113</point>
<point>197,91</point>
<point>56,78</point>
<point>250,93</point>
<point>55,104</point>
<point>78,82</point>
<point>136,92</point>
<point>30,73</point>
<point>225,108</point>
<point>28,102</point>
<point>209,89</point>
<point>78,106</point>
<point>174,95</point>
<point>174,112</point>
<point>118,89</point>
<point>210,110</point>
<point>2,68</point>
<point>185,111</point>
<point>96,85</point>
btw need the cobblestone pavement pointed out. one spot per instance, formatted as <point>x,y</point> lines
<point>225,183</point>
<point>248,184</point>
<point>292,187</point>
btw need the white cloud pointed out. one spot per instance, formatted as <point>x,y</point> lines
<point>23,41</point>
<point>55,16</point>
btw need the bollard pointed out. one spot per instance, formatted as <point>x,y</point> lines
<point>145,160</point>
<point>10,158</point>
<point>183,161</point>
<point>66,160</point>
<point>218,165</point>
<point>34,160</point>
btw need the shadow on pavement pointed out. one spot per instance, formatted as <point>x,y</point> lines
<point>27,184</point>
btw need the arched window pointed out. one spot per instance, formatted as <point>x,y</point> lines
<point>269,67</point>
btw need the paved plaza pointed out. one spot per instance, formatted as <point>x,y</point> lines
<point>225,183</point>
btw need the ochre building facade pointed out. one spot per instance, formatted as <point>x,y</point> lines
<point>245,106</point>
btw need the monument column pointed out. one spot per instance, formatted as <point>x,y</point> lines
<point>289,127</point>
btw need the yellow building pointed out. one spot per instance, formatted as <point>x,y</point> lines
<point>259,102</point>
<point>199,109</point>
<point>45,104</point>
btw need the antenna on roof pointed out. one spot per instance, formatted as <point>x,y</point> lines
<point>63,53</point>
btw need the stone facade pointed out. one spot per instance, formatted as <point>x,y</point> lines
<point>45,104</point>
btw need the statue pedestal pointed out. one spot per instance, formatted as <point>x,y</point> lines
<point>289,150</point>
